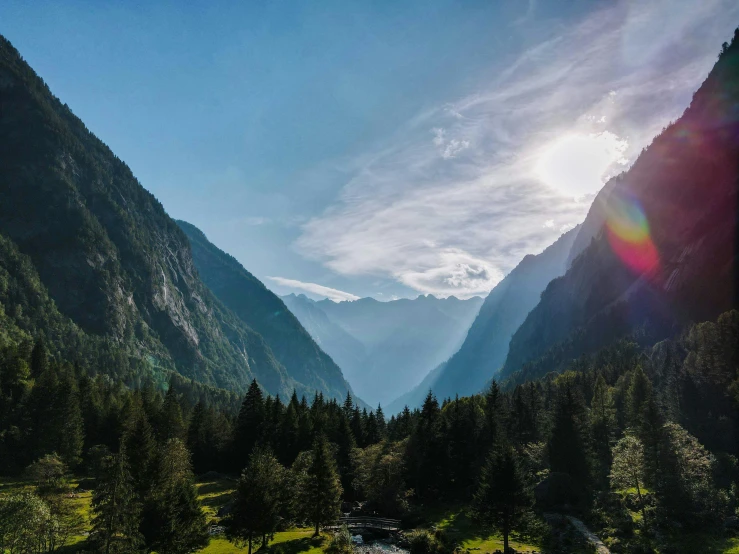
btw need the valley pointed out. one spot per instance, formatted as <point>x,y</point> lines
<point>156,396</point>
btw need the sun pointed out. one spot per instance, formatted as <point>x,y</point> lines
<point>577,164</point>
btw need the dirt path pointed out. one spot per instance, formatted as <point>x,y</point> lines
<point>600,548</point>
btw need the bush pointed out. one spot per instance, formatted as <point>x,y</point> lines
<point>422,542</point>
<point>341,542</point>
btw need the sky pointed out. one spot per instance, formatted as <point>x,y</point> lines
<point>345,149</point>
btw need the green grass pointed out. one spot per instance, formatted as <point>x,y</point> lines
<point>214,493</point>
<point>81,501</point>
<point>689,543</point>
<point>458,526</point>
<point>295,541</point>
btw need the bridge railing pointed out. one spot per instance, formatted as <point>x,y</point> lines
<point>370,522</point>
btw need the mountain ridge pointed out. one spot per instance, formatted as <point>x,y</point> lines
<point>652,240</point>
<point>485,346</point>
<point>400,339</point>
<point>110,257</point>
<point>265,312</point>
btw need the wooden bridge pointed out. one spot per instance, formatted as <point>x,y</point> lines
<point>362,522</point>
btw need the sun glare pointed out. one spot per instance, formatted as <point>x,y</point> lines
<point>578,164</point>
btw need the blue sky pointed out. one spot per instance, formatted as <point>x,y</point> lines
<point>378,149</point>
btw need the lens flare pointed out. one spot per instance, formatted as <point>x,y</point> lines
<point>629,237</point>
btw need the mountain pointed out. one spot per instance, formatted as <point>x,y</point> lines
<point>394,342</point>
<point>264,312</point>
<point>115,266</point>
<point>659,243</point>
<point>485,348</point>
<point>344,349</point>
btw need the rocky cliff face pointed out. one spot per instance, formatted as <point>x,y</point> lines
<point>660,242</point>
<point>265,313</point>
<point>111,258</point>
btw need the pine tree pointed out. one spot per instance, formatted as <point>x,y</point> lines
<point>566,446</point>
<point>116,511</point>
<point>346,445</point>
<point>381,423</point>
<point>493,413</point>
<point>257,508</point>
<point>425,448</point>
<point>171,424</point>
<point>501,498</point>
<point>140,446</point>
<point>198,432</point>
<point>348,407</point>
<point>321,489</point>
<point>289,433</point>
<point>357,427</point>
<point>602,422</point>
<point>39,358</point>
<point>174,521</point>
<point>372,432</point>
<point>638,396</point>
<point>249,425</point>
<point>71,437</point>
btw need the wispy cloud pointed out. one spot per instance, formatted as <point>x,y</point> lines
<point>314,288</point>
<point>454,213</point>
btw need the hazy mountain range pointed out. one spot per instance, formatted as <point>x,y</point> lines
<point>485,347</point>
<point>386,348</point>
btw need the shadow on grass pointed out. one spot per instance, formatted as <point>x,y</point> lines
<point>459,528</point>
<point>294,546</point>
<point>216,502</point>
<point>14,486</point>
<point>215,487</point>
<point>72,548</point>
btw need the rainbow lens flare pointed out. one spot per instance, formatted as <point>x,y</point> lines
<point>628,235</point>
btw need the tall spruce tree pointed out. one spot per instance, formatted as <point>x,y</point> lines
<point>71,438</point>
<point>321,488</point>
<point>116,510</point>
<point>171,422</point>
<point>258,503</point>
<point>39,358</point>
<point>249,425</point>
<point>174,522</point>
<point>501,498</point>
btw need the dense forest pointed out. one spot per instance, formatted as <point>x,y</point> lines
<point>651,431</point>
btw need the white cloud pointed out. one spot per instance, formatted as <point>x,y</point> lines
<point>566,227</point>
<point>454,147</point>
<point>438,136</point>
<point>417,211</point>
<point>549,224</point>
<point>448,148</point>
<point>314,288</point>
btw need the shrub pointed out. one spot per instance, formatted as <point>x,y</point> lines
<point>341,542</point>
<point>421,542</point>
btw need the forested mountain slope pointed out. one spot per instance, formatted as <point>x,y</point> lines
<point>265,313</point>
<point>505,308</point>
<point>110,257</point>
<point>664,253</point>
